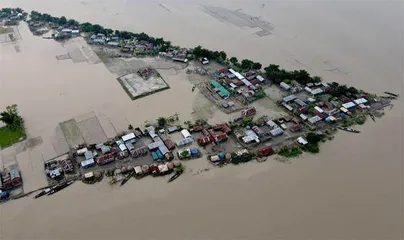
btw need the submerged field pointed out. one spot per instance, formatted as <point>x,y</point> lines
<point>8,137</point>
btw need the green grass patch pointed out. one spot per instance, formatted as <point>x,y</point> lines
<point>9,137</point>
<point>289,153</point>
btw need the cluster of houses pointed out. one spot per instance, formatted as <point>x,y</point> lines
<point>65,33</point>
<point>216,134</point>
<point>125,45</point>
<point>178,55</point>
<point>312,111</point>
<point>227,81</point>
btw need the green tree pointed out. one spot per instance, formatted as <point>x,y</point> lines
<point>234,60</point>
<point>11,118</point>
<point>223,55</point>
<point>62,20</point>
<point>317,79</point>
<point>246,64</point>
<point>257,66</point>
<point>162,122</point>
<point>72,23</point>
<point>185,154</point>
<point>313,137</point>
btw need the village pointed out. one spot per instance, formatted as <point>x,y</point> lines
<point>312,111</point>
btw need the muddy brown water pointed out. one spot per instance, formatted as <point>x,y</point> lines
<point>351,190</point>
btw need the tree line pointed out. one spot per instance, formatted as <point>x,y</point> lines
<point>273,71</point>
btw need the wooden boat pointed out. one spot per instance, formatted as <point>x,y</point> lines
<point>349,130</point>
<point>391,94</point>
<point>175,176</point>
<point>59,187</point>
<point>43,193</point>
<point>127,178</point>
<point>372,117</point>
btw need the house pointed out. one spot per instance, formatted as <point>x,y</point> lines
<point>285,86</point>
<point>288,107</point>
<point>318,109</point>
<point>276,132</point>
<point>330,119</point>
<point>348,105</point>
<point>303,117</point>
<point>289,98</point>
<point>248,112</point>
<point>260,78</point>
<point>237,74</point>
<point>250,136</point>
<point>185,134</point>
<point>317,91</point>
<point>302,141</point>
<point>220,89</point>
<point>258,130</point>
<point>314,120</point>
<point>300,102</point>
<point>129,138</point>
<point>295,128</point>
<point>271,124</point>
<point>360,101</point>
<point>204,61</point>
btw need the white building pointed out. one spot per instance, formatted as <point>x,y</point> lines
<point>285,86</point>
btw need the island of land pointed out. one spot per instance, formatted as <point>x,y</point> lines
<point>269,110</point>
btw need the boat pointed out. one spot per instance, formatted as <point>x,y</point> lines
<point>43,193</point>
<point>349,130</point>
<point>391,94</point>
<point>59,187</point>
<point>126,178</point>
<point>175,176</point>
<point>372,117</point>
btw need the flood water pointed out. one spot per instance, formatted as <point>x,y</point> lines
<point>353,189</point>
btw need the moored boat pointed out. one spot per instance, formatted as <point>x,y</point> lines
<point>59,187</point>
<point>349,130</point>
<point>391,94</point>
<point>175,176</point>
<point>43,193</point>
<point>127,178</point>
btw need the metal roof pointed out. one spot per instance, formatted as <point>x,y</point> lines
<point>289,98</point>
<point>348,105</point>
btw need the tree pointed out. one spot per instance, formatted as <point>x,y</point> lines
<point>184,154</point>
<point>62,20</point>
<point>246,64</point>
<point>313,138</point>
<point>234,60</point>
<point>223,55</point>
<point>11,118</point>
<point>317,79</point>
<point>257,66</point>
<point>162,122</point>
<point>301,76</point>
<point>72,23</point>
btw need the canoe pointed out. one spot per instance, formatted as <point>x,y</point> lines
<point>349,130</point>
<point>175,176</point>
<point>126,178</point>
<point>43,192</point>
<point>59,187</point>
<point>391,94</point>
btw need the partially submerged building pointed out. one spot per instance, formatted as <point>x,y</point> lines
<point>222,91</point>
